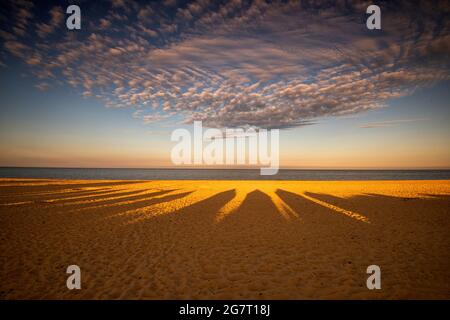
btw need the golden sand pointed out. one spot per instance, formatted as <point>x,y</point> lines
<point>224,239</point>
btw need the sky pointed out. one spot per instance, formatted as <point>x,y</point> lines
<point>111,93</point>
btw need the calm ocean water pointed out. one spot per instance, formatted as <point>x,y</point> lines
<point>221,174</point>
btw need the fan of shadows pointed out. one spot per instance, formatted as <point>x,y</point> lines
<point>190,245</point>
<point>255,221</point>
<point>256,209</point>
<point>257,214</point>
<point>187,243</point>
<point>244,248</point>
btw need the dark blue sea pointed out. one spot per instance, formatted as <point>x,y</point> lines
<point>220,174</point>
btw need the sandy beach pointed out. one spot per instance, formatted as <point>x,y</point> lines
<point>224,239</point>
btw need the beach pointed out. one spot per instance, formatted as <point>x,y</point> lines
<point>195,239</point>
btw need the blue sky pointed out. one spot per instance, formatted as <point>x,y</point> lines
<point>111,94</point>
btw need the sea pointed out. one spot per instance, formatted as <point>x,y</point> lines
<point>219,174</point>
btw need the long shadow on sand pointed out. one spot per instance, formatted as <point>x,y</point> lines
<point>116,207</point>
<point>98,196</point>
<point>310,207</point>
<point>135,197</point>
<point>201,213</point>
<point>28,189</point>
<point>56,195</point>
<point>375,206</point>
<point>68,198</point>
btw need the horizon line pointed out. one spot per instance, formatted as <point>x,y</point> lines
<point>228,168</point>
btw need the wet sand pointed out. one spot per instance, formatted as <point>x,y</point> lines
<point>224,239</point>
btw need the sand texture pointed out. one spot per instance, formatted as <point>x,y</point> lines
<point>224,239</point>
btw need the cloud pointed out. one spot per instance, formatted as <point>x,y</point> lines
<point>239,63</point>
<point>16,48</point>
<point>56,19</point>
<point>42,86</point>
<point>390,123</point>
<point>151,118</point>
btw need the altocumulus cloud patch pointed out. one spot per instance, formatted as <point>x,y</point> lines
<point>232,63</point>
